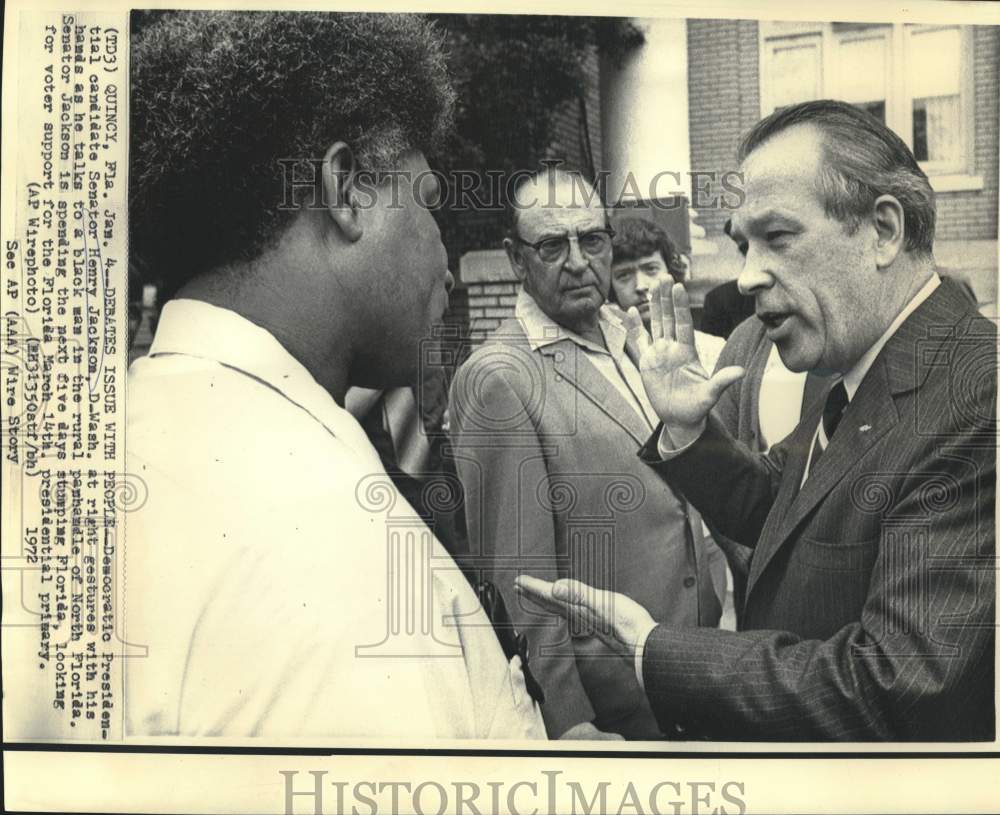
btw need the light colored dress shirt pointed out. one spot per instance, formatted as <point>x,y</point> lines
<point>780,399</point>
<point>280,585</point>
<point>852,381</point>
<point>613,361</point>
<point>854,377</point>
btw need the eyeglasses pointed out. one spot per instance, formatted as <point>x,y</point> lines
<point>555,250</point>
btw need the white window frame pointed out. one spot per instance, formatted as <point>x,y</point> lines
<point>954,177</point>
<point>813,38</point>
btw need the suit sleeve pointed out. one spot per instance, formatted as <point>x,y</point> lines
<point>730,486</point>
<point>727,410</point>
<point>501,462</point>
<point>923,648</point>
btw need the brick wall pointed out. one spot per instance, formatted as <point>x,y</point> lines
<point>723,101</point>
<point>972,215</point>
<point>489,305</point>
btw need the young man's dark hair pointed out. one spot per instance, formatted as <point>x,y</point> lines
<point>220,99</point>
<point>638,237</point>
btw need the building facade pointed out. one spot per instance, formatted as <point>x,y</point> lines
<point>680,103</point>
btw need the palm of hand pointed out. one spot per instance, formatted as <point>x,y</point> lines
<point>679,388</point>
<point>675,381</point>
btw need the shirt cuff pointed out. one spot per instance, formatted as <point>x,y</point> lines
<point>666,449</point>
<point>640,649</point>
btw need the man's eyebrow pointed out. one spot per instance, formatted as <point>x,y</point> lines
<point>757,224</point>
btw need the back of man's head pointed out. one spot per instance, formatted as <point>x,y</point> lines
<point>221,99</point>
<point>863,159</point>
<point>637,238</point>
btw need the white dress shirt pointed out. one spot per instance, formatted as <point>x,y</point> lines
<point>273,558</point>
<point>854,377</point>
<point>779,401</point>
<point>612,361</point>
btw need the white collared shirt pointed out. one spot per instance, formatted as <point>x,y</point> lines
<point>613,362</point>
<point>855,376</point>
<point>280,584</point>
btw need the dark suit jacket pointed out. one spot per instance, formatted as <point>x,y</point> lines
<point>870,597</point>
<point>545,448</point>
<point>738,410</point>
<point>725,308</point>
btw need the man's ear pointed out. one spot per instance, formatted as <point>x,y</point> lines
<point>514,256</point>
<point>890,223</point>
<point>339,177</point>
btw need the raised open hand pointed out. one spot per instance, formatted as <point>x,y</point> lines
<point>679,388</point>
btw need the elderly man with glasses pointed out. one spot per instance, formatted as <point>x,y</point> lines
<point>545,418</point>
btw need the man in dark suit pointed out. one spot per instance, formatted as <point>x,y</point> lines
<point>545,419</point>
<point>869,611</point>
<point>724,308</point>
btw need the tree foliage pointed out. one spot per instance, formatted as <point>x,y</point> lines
<point>512,73</point>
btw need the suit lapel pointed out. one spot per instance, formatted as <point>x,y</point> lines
<point>571,363</point>
<point>902,366</point>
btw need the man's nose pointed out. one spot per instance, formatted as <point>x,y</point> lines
<point>575,259</point>
<point>754,276</point>
<point>449,281</point>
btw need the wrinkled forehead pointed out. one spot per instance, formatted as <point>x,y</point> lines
<point>557,206</point>
<point>782,173</point>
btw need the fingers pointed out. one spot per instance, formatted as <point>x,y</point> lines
<point>636,338</point>
<point>722,379</point>
<point>635,328</point>
<point>518,686</point>
<point>655,312</point>
<point>666,310</point>
<point>683,325</point>
<point>573,591</point>
<point>540,592</point>
<point>589,610</point>
<point>592,609</point>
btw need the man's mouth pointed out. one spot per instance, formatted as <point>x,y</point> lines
<point>773,320</point>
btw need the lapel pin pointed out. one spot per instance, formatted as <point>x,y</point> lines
<point>865,428</point>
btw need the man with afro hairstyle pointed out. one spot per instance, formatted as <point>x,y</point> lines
<point>281,585</point>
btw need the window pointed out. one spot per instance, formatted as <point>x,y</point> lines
<point>885,70</point>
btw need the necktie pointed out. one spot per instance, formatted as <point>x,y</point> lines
<point>836,404</point>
